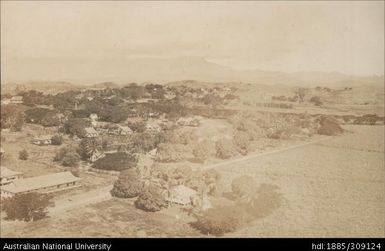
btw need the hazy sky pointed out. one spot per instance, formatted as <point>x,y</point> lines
<point>281,36</point>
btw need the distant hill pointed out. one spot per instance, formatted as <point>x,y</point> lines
<point>111,72</point>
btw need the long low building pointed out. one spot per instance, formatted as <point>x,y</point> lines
<point>42,184</point>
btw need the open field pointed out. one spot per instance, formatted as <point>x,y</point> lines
<point>331,188</point>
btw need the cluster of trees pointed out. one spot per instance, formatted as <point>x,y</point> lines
<point>221,220</point>
<point>27,206</point>
<point>316,100</point>
<point>67,156</point>
<point>129,185</point>
<point>329,126</point>
<point>116,161</point>
<point>12,117</point>
<point>42,116</point>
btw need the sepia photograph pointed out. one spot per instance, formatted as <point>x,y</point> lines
<point>191,119</point>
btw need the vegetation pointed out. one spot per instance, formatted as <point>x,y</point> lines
<point>67,156</point>
<point>221,220</point>
<point>151,199</point>
<point>225,149</point>
<point>27,206</point>
<point>116,161</point>
<point>329,126</point>
<point>11,118</point>
<point>128,184</point>
<point>57,140</point>
<point>243,188</point>
<point>23,155</point>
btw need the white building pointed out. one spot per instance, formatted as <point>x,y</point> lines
<point>42,140</point>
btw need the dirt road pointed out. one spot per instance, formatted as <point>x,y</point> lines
<point>331,189</point>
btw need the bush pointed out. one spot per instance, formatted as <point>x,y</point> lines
<point>23,155</point>
<point>57,140</point>
<point>329,126</point>
<point>116,161</point>
<point>243,188</point>
<point>27,206</point>
<point>128,184</point>
<point>170,152</point>
<point>68,157</point>
<point>218,221</point>
<point>151,199</point>
<point>316,100</point>
<point>203,150</point>
<point>225,149</point>
<point>242,142</point>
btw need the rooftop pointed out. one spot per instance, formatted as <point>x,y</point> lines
<point>29,184</point>
<point>90,130</point>
<point>5,172</point>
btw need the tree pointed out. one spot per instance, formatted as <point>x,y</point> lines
<point>243,188</point>
<point>225,149</point>
<point>203,150</point>
<point>12,117</point>
<point>71,159</point>
<point>218,221</point>
<point>116,161</point>
<point>329,126</point>
<point>88,146</point>
<point>128,184</point>
<point>242,141</point>
<point>57,140</point>
<point>76,127</point>
<point>23,155</point>
<point>27,206</point>
<point>316,100</point>
<point>68,157</point>
<point>170,152</point>
<point>151,199</point>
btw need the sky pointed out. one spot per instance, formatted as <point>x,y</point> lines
<point>346,37</point>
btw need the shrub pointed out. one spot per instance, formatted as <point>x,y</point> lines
<point>151,199</point>
<point>225,149</point>
<point>242,142</point>
<point>71,159</point>
<point>329,126</point>
<point>170,152</point>
<point>203,150</point>
<point>128,184</point>
<point>316,100</point>
<point>27,206</point>
<point>67,156</point>
<point>116,161</point>
<point>57,140</point>
<point>218,221</point>
<point>23,154</point>
<point>243,188</point>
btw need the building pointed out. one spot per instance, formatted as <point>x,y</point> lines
<point>17,100</point>
<point>7,176</point>
<point>153,127</point>
<point>124,130</point>
<point>181,195</point>
<point>41,184</point>
<point>42,140</point>
<point>91,132</point>
<point>96,155</point>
